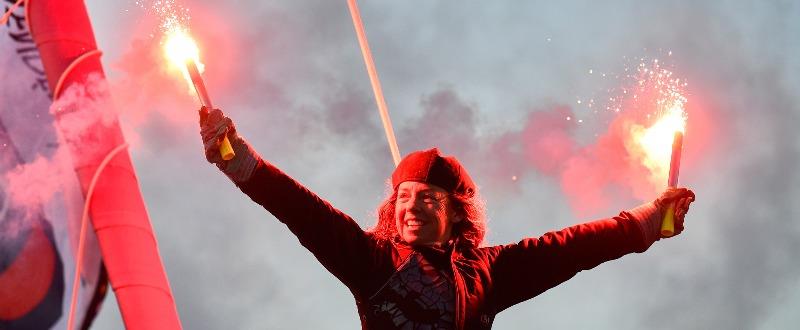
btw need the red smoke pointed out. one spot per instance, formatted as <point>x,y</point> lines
<point>143,91</point>
<point>149,89</point>
<point>33,184</point>
<point>547,139</point>
<point>606,172</point>
<point>594,176</point>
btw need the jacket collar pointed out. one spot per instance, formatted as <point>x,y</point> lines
<point>448,247</point>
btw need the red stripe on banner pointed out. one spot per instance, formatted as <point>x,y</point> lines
<point>31,272</point>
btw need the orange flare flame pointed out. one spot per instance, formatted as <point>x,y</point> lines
<point>655,142</point>
<point>179,48</point>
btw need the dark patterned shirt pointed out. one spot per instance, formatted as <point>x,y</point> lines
<point>417,296</point>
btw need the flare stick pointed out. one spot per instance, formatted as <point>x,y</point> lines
<point>225,149</point>
<point>668,224</point>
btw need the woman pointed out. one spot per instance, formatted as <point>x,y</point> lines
<point>423,266</point>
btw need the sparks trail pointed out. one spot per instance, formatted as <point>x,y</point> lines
<point>171,14</point>
<point>659,95</point>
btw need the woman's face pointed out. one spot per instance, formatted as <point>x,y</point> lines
<point>423,213</point>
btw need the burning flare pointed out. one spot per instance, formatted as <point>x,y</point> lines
<point>180,48</point>
<point>656,140</point>
<point>652,145</point>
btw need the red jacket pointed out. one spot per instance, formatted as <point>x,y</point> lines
<point>397,286</point>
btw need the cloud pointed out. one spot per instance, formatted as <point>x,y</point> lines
<point>493,86</point>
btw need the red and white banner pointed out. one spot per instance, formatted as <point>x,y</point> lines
<point>40,196</point>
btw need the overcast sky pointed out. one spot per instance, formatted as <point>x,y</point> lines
<point>469,77</point>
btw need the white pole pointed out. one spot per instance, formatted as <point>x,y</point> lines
<point>373,78</point>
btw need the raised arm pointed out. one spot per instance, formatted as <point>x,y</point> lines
<point>524,270</point>
<point>334,238</point>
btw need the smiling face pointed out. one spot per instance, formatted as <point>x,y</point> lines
<point>423,213</point>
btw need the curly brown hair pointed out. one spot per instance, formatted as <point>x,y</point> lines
<point>470,231</point>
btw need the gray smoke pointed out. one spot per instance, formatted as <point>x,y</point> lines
<point>470,78</point>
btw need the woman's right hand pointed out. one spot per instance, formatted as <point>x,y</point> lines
<point>214,127</point>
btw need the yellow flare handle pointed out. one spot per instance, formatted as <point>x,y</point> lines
<point>226,150</point>
<point>668,223</point>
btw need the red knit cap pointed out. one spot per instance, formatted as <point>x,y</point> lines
<point>430,167</point>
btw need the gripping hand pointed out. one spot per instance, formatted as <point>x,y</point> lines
<point>650,215</point>
<point>214,127</point>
